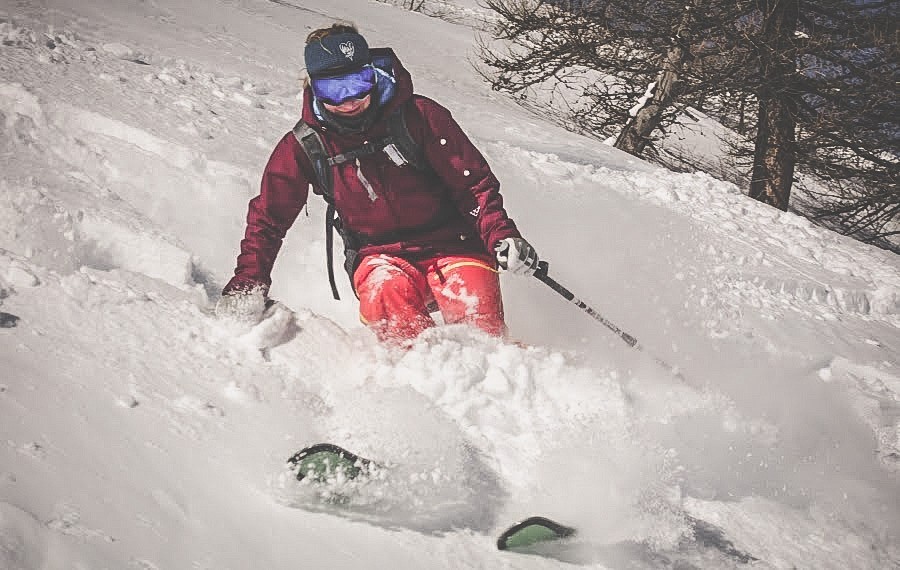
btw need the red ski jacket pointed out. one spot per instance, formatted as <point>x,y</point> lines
<point>458,207</point>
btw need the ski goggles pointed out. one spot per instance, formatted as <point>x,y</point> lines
<point>336,89</point>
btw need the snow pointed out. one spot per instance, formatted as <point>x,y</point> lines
<point>138,431</point>
<point>648,94</point>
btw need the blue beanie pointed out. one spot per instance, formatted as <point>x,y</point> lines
<point>337,53</point>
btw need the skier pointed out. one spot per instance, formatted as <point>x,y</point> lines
<point>416,239</point>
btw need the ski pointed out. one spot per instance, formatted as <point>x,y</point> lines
<point>334,468</point>
<point>325,462</point>
<point>532,531</point>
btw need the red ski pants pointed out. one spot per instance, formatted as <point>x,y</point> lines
<point>394,294</point>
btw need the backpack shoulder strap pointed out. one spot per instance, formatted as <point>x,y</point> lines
<point>314,148</point>
<point>398,131</point>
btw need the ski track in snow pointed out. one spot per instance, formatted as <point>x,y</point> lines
<point>102,262</point>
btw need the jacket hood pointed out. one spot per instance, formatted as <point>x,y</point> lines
<point>387,61</point>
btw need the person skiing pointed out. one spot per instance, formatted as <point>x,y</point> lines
<point>415,238</point>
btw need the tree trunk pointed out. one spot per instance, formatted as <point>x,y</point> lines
<point>636,133</point>
<point>773,159</point>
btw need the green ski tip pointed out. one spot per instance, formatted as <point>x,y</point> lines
<point>531,531</point>
<point>325,461</point>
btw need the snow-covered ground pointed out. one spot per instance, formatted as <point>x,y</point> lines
<point>137,431</point>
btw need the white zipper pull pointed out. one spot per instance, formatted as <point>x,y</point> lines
<point>359,174</point>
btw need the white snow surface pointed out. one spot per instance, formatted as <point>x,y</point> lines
<point>138,431</point>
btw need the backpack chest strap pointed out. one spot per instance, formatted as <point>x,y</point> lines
<point>364,150</point>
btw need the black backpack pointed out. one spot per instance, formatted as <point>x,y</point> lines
<point>400,148</point>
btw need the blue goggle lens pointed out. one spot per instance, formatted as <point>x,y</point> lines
<point>337,89</point>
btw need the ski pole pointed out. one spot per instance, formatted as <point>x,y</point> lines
<point>542,274</point>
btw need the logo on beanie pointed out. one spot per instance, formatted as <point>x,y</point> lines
<point>348,49</point>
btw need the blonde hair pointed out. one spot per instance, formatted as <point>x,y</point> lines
<point>336,28</point>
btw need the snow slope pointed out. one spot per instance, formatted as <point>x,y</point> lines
<point>140,432</point>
